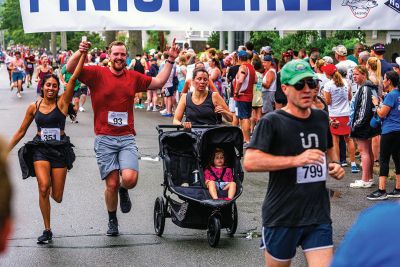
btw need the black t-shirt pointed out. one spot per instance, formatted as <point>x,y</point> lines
<point>290,203</point>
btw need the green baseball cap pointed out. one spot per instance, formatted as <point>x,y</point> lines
<point>296,70</point>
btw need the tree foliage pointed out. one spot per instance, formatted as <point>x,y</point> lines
<point>156,40</point>
<point>11,21</point>
<point>298,40</point>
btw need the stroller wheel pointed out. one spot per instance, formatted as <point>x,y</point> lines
<point>214,231</point>
<point>232,230</point>
<point>159,216</point>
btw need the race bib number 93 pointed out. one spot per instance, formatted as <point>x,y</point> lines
<point>311,173</point>
<point>118,119</point>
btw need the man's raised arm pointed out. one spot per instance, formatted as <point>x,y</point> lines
<point>74,59</point>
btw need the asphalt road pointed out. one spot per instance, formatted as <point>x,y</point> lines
<point>79,223</point>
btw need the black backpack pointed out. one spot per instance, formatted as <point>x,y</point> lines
<point>280,97</point>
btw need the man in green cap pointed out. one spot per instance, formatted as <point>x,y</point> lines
<point>292,144</point>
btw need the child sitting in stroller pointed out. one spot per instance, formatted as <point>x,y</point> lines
<point>219,177</point>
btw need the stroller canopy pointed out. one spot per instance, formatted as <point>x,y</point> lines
<point>229,138</point>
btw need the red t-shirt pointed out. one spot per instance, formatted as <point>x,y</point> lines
<point>112,94</point>
<point>249,83</point>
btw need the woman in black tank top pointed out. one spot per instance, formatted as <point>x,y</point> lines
<point>202,107</point>
<point>49,154</point>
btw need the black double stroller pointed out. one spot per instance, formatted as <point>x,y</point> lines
<point>186,199</point>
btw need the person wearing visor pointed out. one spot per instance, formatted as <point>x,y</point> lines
<point>292,144</point>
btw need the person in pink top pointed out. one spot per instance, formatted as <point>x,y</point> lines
<point>219,177</point>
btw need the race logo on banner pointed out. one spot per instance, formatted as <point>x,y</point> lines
<point>394,4</point>
<point>360,8</point>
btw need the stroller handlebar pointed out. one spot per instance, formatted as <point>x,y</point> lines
<point>179,127</point>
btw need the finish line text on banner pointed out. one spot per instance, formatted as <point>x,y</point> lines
<point>155,5</point>
<point>209,15</point>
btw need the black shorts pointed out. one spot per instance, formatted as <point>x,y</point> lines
<point>39,155</point>
<point>29,72</point>
<point>169,91</point>
<point>84,90</point>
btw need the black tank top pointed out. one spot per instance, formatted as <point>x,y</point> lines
<point>202,114</point>
<point>54,119</point>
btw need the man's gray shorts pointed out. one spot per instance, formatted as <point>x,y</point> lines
<point>115,153</point>
<point>268,101</point>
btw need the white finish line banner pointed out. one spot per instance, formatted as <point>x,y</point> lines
<point>217,15</point>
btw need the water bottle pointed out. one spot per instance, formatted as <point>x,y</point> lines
<point>196,177</point>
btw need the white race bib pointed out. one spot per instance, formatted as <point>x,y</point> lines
<point>312,173</point>
<point>118,119</point>
<point>30,66</point>
<point>49,134</point>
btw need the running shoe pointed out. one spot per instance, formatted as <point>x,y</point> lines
<point>344,164</point>
<point>19,95</point>
<point>164,111</point>
<point>167,115</point>
<point>155,109</point>
<point>394,194</point>
<point>136,106</point>
<point>113,228</point>
<point>148,108</point>
<point>245,144</point>
<point>124,200</point>
<point>355,169</point>
<point>360,184</point>
<point>378,195</point>
<point>45,238</point>
<point>82,109</point>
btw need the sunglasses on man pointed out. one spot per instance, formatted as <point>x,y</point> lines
<point>312,84</point>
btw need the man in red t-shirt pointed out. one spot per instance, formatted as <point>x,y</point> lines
<point>243,94</point>
<point>112,91</point>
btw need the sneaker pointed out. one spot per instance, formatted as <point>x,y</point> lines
<point>164,111</point>
<point>124,200</point>
<point>245,144</point>
<point>371,181</point>
<point>45,238</point>
<point>148,108</point>
<point>355,169</point>
<point>344,164</point>
<point>155,109</point>
<point>141,106</point>
<point>394,194</point>
<point>82,109</point>
<point>167,115</point>
<point>378,195</point>
<point>113,228</point>
<point>19,95</point>
<point>136,106</point>
<point>360,184</point>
